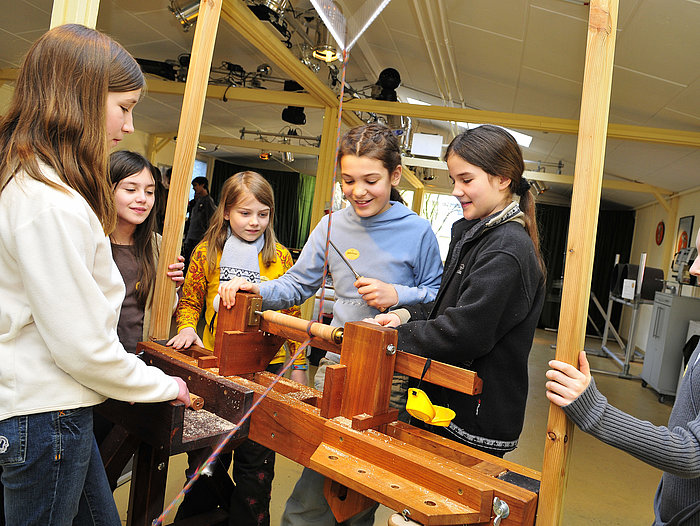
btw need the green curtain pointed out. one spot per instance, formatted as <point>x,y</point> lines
<point>305,196</point>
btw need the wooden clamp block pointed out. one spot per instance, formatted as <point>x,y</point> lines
<point>241,317</point>
<point>333,386</point>
<point>246,352</point>
<point>365,421</point>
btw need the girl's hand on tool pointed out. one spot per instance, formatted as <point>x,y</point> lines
<point>566,383</point>
<point>386,320</point>
<point>376,293</point>
<point>185,338</point>
<point>184,394</point>
<point>228,289</point>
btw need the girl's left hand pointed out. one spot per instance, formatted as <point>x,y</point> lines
<point>175,271</point>
<point>376,293</point>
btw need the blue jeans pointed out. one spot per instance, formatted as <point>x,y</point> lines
<point>52,472</point>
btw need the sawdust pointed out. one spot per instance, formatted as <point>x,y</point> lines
<point>200,424</point>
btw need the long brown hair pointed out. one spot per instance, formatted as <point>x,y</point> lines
<point>123,164</point>
<point>496,152</point>
<point>234,188</point>
<point>58,113</point>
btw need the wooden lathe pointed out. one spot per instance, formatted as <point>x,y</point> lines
<point>348,433</point>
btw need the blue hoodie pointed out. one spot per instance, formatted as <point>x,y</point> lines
<point>396,246</point>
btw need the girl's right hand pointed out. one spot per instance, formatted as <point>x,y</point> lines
<point>228,289</point>
<point>183,394</point>
<point>388,319</point>
<point>185,338</point>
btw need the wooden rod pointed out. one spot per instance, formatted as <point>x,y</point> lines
<point>183,163</point>
<point>197,402</point>
<point>585,204</point>
<point>320,330</point>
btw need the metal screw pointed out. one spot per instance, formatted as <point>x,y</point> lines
<point>391,349</point>
<point>406,514</point>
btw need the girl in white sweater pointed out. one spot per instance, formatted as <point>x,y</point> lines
<point>60,289</point>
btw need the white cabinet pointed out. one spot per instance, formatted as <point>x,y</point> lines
<point>668,330</point>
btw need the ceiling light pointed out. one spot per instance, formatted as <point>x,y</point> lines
<point>264,70</point>
<point>324,49</point>
<point>186,14</point>
<point>264,156</point>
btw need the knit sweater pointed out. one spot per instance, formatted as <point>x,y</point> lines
<point>483,319</point>
<point>201,287</point>
<point>675,449</point>
<point>60,295</point>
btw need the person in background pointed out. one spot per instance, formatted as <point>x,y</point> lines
<point>486,311</point>
<point>61,291</point>
<point>200,210</point>
<point>674,449</point>
<point>240,242</point>
<point>395,252</point>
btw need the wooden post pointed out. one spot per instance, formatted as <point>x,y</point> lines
<point>324,170</point>
<point>185,150</point>
<point>585,203</point>
<point>75,12</point>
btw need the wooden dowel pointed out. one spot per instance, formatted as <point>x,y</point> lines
<point>197,402</point>
<point>320,330</point>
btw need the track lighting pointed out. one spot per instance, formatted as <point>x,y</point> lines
<point>186,14</point>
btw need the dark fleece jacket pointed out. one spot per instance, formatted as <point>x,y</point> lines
<point>483,318</point>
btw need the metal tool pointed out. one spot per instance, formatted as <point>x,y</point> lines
<point>357,276</point>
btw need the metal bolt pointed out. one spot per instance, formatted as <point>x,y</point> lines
<point>391,349</point>
<point>406,514</point>
<point>500,509</point>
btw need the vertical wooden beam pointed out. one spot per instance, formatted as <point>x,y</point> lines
<point>585,203</point>
<point>324,169</point>
<point>417,204</point>
<point>183,163</point>
<point>75,12</point>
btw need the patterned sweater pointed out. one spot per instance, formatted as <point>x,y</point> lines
<point>675,449</point>
<point>201,286</point>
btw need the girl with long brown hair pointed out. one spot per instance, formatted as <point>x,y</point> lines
<point>60,289</point>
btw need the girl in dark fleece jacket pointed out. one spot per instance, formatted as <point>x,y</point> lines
<point>486,311</point>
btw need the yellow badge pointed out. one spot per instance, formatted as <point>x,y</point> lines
<point>352,253</point>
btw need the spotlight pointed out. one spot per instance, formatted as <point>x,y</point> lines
<point>324,49</point>
<point>293,114</point>
<point>264,70</point>
<point>264,156</point>
<point>186,15</point>
<point>385,87</point>
<point>306,58</point>
<point>154,67</point>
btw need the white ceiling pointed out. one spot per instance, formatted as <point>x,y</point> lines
<point>514,56</point>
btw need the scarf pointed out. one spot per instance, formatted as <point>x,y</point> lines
<point>239,259</point>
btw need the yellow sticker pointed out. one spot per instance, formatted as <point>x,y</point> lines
<point>352,253</point>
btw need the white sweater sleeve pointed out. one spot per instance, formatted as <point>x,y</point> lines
<point>74,292</point>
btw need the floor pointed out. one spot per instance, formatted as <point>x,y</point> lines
<point>605,486</point>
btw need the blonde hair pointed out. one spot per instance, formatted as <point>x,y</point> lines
<point>58,113</point>
<point>233,190</point>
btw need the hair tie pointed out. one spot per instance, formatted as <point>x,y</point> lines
<point>523,187</point>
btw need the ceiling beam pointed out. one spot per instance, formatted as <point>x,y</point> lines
<point>522,121</point>
<point>609,184</point>
<point>262,96</point>
<point>260,145</point>
<point>240,18</point>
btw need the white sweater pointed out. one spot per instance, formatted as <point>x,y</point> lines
<point>60,296</point>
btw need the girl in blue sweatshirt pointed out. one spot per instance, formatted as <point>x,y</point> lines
<point>394,251</point>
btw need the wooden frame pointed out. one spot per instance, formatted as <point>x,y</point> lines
<point>592,133</point>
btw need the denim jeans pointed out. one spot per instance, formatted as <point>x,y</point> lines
<point>52,472</point>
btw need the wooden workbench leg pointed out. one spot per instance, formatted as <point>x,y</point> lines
<point>147,492</point>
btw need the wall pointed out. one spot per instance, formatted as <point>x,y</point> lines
<point>644,241</point>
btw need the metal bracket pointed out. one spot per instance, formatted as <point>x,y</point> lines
<point>255,307</point>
